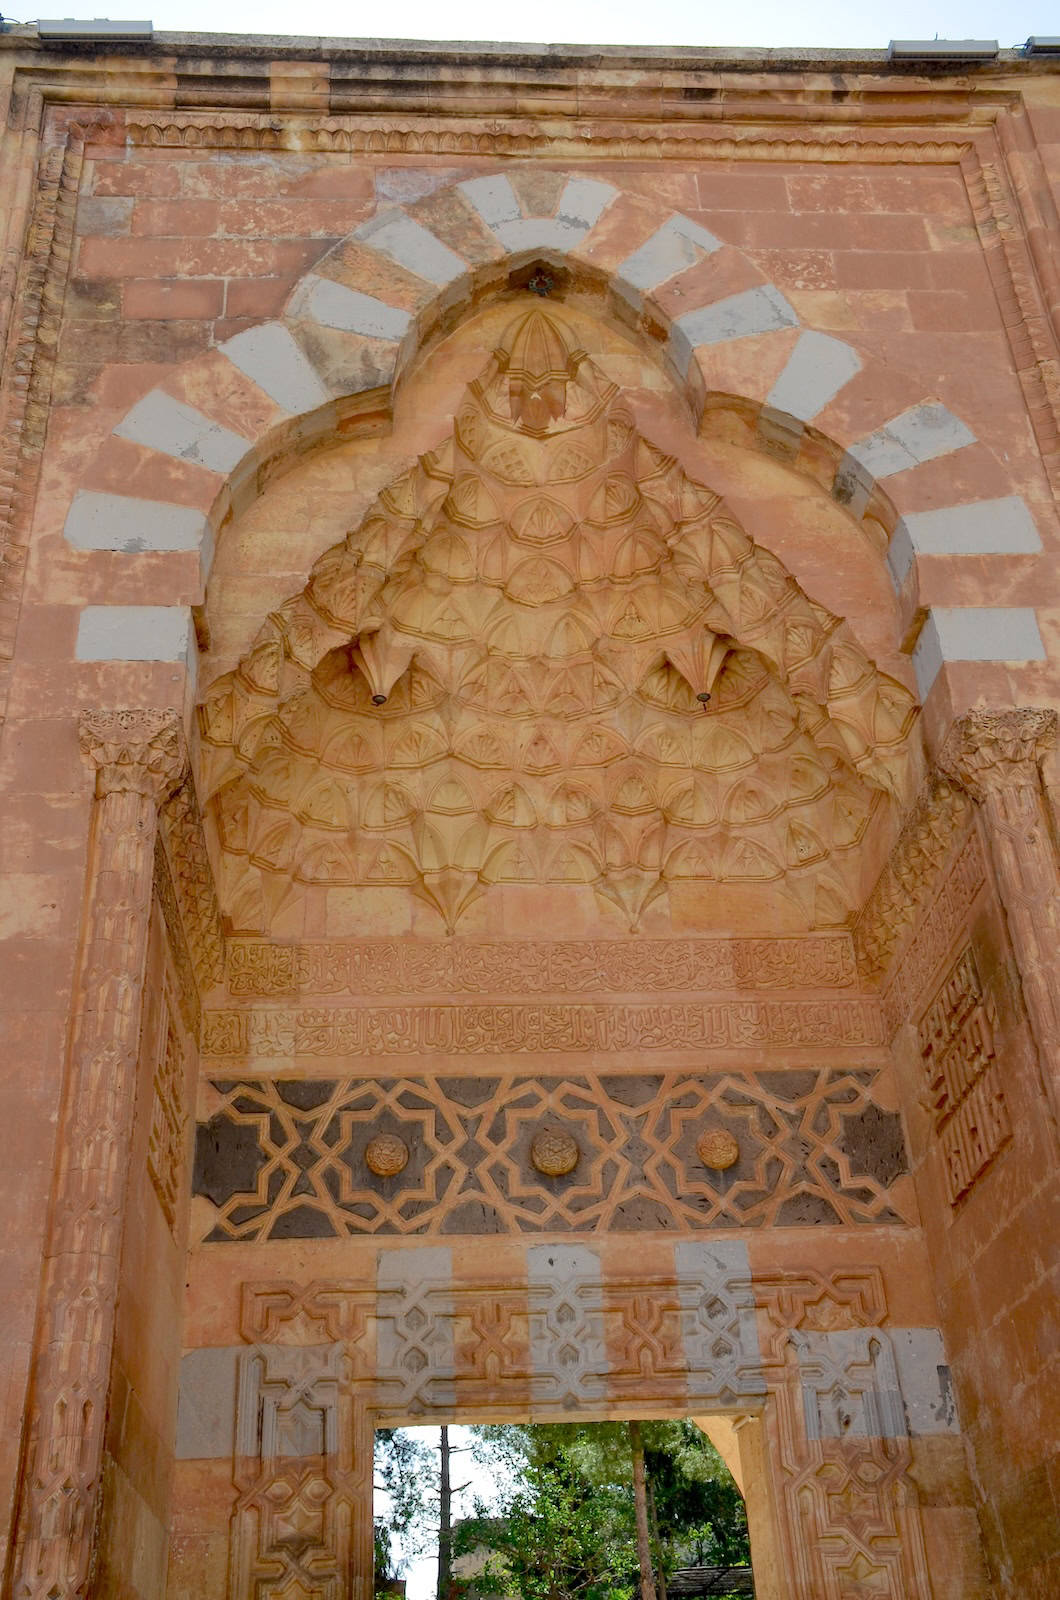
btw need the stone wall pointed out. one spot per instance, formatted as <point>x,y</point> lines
<point>813,1111</point>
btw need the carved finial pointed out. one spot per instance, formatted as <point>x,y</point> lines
<point>988,750</point>
<point>143,751</point>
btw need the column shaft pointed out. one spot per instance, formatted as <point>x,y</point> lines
<point>996,756</point>
<point>138,757</point>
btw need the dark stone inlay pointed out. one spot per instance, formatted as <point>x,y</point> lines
<point>820,1155</point>
<point>305,1094</point>
<point>874,1145</point>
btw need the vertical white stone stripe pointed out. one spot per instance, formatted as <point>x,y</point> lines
<point>718,1321</point>
<point>415,1355</point>
<point>568,1348</point>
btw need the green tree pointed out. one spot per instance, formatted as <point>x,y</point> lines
<point>417,1479</point>
<point>567,1526</point>
<point>406,1472</point>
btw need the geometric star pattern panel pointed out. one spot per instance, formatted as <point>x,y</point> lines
<point>325,1158</point>
<point>546,655</point>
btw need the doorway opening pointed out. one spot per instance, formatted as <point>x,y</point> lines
<point>609,1510</point>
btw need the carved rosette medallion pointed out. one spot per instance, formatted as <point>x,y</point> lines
<point>554,1153</point>
<point>386,1155</point>
<point>717,1149</point>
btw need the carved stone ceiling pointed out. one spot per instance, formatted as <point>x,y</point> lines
<point>546,655</point>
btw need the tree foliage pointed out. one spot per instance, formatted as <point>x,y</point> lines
<point>562,1524</point>
<point>406,1472</point>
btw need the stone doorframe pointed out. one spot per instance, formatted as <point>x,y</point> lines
<point>828,1405</point>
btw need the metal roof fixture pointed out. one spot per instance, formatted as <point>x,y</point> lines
<point>942,49</point>
<point>73,28</point>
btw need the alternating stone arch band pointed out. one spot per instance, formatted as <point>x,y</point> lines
<point>730,339</point>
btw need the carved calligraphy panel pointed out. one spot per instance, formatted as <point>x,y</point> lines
<point>503,1029</point>
<point>264,970</point>
<point>964,1083</point>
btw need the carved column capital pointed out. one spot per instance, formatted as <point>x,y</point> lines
<point>987,751</point>
<point>132,750</point>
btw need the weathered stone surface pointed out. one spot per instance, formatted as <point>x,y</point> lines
<point>567,726</point>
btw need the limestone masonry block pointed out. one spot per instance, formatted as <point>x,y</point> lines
<point>540,233</point>
<point>986,527</point>
<point>817,369</point>
<point>411,245</point>
<point>919,434</point>
<point>678,244</point>
<point>493,198</point>
<point>348,310</point>
<point>930,1404</point>
<point>758,310</point>
<point>122,522</point>
<point>568,1347</point>
<point>584,201</point>
<point>975,633</point>
<point>109,215</point>
<point>720,1333</point>
<point>270,357</point>
<point>134,633</point>
<point>206,1404</point>
<point>162,423</point>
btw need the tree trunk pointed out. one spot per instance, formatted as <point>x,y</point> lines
<point>657,1539</point>
<point>445,1519</point>
<point>640,1502</point>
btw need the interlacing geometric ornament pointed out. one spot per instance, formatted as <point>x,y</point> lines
<point>546,655</point>
<point>856,1531</point>
<point>851,1512</point>
<point>283,1159</point>
<point>302,1472</point>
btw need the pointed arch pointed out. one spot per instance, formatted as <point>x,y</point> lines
<point>223,423</point>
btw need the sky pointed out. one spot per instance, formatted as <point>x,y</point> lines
<point>421,1577</point>
<point>761,23</point>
